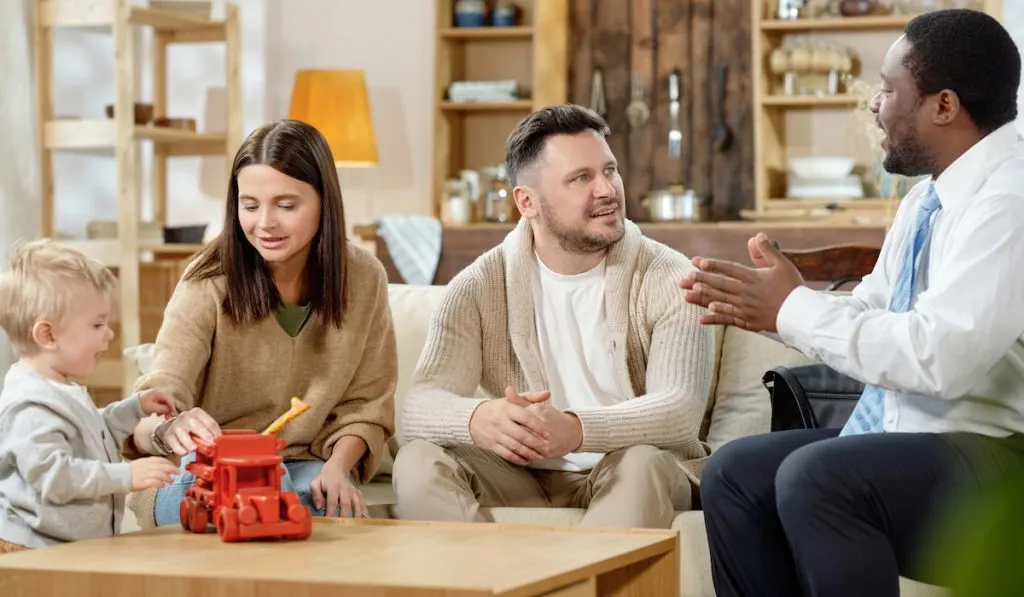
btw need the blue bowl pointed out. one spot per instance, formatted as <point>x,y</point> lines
<point>470,19</point>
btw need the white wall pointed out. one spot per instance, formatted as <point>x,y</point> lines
<point>393,42</point>
<point>1013,19</point>
<point>19,212</point>
<point>278,38</point>
<point>83,85</point>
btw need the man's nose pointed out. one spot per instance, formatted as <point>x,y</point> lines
<point>604,187</point>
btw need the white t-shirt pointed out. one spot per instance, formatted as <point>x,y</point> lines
<point>576,348</point>
<point>76,391</point>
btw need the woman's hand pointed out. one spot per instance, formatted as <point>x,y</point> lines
<point>335,493</point>
<point>177,433</point>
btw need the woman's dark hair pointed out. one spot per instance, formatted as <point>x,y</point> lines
<point>298,150</point>
<point>970,53</point>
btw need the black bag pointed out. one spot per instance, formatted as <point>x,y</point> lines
<point>810,397</point>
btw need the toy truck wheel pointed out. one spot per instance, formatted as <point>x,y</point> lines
<point>227,525</point>
<point>183,514</point>
<point>200,518</point>
<point>193,516</point>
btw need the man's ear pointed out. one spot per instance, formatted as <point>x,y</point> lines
<point>44,335</point>
<point>947,107</point>
<point>526,200</point>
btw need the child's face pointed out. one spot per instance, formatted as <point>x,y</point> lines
<point>83,336</point>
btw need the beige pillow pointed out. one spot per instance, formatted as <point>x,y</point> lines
<point>741,406</point>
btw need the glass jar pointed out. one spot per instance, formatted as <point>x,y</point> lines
<point>499,205</point>
<point>457,209</point>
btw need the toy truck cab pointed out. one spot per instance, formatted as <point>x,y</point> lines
<point>238,488</point>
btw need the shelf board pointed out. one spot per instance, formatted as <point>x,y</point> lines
<point>864,203</point>
<point>103,14</point>
<point>838,23</point>
<point>486,33</point>
<point>809,101</point>
<point>102,133</point>
<point>513,106</point>
<point>108,250</point>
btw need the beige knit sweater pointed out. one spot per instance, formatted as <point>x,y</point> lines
<point>483,335</point>
<point>245,376</point>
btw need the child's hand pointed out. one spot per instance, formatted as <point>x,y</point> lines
<point>155,403</point>
<point>151,472</point>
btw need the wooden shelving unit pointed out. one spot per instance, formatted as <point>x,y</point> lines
<point>121,137</point>
<point>535,53</point>
<point>816,119</point>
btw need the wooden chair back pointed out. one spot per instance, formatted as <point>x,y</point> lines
<point>837,265</point>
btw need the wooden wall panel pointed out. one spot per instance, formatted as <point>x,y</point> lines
<point>644,40</point>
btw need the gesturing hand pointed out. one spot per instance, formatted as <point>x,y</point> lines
<point>510,430</point>
<point>564,429</point>
<point>749,298</point>
<point>334,492</point>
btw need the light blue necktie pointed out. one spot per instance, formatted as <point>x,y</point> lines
<point>870,409</point>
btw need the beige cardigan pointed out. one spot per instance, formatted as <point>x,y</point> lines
<point>245,376</point>
<point>483,335</point>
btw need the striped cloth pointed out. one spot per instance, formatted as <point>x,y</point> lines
<point>414,243</point>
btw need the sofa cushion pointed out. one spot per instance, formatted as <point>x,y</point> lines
<point>741,405</point>
<point>411,310</point>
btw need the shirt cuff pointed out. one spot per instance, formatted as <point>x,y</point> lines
<point>799,315</point>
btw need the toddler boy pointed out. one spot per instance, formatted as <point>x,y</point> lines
<point>61,474</point>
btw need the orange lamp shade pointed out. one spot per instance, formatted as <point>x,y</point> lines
<point>337,104</point>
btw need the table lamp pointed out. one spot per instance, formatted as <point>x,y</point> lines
<point>337,104</point>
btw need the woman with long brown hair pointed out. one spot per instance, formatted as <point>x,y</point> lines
<point>281,305</point>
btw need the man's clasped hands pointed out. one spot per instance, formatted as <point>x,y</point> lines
<point>524,427</point>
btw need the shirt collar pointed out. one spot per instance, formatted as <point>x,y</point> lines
<point>965,176</point>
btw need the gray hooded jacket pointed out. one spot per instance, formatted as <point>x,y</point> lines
<point>61,474</point>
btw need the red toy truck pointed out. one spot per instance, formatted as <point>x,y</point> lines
<point>238,488</point>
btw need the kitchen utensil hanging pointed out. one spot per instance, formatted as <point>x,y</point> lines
<point>721,134</point>
<point>637,112</point>
<point>597,97</point>
<point>675,133</point>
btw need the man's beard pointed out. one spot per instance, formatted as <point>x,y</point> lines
<point>577,241</point>
<point>909,158</point>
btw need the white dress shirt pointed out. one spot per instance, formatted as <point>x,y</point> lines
<point>955,361</point>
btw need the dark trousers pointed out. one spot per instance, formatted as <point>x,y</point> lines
<point>808,513</point>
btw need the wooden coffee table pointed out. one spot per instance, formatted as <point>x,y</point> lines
<point>364,558</point>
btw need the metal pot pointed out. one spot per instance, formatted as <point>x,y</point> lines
<point>675,205</point>
<point>693,207</point>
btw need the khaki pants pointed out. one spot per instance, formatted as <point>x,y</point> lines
<point>639,486</point>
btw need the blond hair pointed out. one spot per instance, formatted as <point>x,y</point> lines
<point>40,283</point>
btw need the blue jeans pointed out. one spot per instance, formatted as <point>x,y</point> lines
<point>298,476</point>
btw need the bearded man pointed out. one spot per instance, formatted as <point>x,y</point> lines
<point>598,374</point>
<point>935,332</point>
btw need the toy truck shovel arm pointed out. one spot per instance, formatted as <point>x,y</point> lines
<point>298,407</point>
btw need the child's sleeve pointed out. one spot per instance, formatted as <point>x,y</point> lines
<point>36,438</point>
<point>122,416</point>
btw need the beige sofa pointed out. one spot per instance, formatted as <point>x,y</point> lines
<point>740,408</point>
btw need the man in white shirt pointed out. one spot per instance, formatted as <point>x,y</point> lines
<point>598,376</point>
<point>937,340</point>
